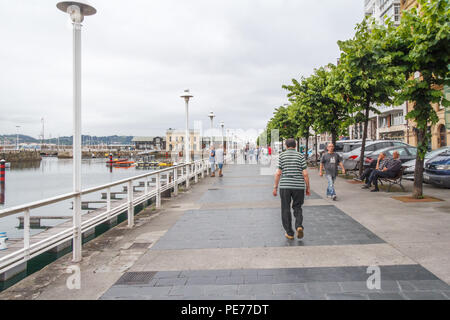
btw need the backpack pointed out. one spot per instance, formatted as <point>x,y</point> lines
<point>213,153</point>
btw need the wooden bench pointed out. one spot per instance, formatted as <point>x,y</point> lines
<point>395,180</point>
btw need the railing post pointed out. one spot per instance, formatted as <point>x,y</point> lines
<point>146,185</point>
<point>130,204</point>
<point>77,235</point>
<point>158,190</point>
<point>196,172</point>
<point>187,176</point>
<point>175,181</point>
<point>108,200</point>
<point>26,233</point>
<point>202,167</point>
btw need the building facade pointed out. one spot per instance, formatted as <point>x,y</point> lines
<point>149,143</point>
<point>382,10</point>
<point>175,140</point>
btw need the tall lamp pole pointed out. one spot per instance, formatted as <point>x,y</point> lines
<point>222,125</point>
<point>211,116</point>
<point>77,12</point>
<point>17,138</point>
<point>187,95</point>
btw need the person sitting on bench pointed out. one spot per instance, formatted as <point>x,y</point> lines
<point>377,164</point>
<point>390,170</point>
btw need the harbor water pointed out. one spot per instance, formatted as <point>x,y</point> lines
<point>51,177</point>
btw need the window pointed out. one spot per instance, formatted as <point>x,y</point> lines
<point>383,122</point>
<point>412,151</point>
<point>397,119</point>
<point>370,148</point>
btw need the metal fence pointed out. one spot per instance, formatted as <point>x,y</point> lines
<point>31,248</point>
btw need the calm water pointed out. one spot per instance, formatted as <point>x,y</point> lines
<point>50,178</point>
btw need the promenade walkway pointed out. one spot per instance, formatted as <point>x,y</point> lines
<point>223,239</point>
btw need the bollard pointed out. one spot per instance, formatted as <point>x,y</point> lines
<point>2,171</point>
<point>2,181</point>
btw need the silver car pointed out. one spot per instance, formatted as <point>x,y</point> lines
<point>410,166</point>
<point>351,159</point>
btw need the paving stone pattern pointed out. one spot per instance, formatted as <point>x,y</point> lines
<point>249,228</point>
<point>403,282</point>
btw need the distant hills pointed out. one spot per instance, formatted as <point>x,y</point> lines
<point>86,139</point>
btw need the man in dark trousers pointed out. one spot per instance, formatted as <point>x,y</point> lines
<point>391,168</point>
<point>377,164</point>
<point>293,179</point>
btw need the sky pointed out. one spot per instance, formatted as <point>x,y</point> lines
<point>138,57</point>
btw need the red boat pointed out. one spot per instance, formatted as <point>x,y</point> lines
<point>116,160</point>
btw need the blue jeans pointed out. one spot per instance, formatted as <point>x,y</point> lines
<point>213,166</point>
<point>330,188</point>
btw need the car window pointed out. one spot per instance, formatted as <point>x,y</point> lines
<point>397,143</point>
<point>412,151</point>
<point>371,147</point>
<point>401,152</point>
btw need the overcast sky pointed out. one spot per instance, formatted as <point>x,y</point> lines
<point>138,56</point>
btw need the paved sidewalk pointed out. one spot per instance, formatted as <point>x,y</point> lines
<point>229,244</point>
<point>223,239</point>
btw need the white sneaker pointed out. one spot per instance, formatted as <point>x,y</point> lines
<point>334,198</point>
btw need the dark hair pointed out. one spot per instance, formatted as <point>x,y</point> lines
<point>290,143</point>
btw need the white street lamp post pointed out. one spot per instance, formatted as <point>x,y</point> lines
<point>77,11</point>
<point>17,138</point>
<point>211,116</point>
<point>222,125</point>
<point>186,95</point>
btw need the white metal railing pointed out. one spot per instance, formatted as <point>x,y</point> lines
<point>174,176</point>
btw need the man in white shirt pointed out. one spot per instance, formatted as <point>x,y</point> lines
<point>219,159</point>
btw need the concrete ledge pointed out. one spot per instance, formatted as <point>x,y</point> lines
<point>13,272</point>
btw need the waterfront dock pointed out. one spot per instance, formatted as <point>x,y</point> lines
<point>222,239</point>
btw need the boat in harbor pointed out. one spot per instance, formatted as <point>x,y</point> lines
<point>123,164</point>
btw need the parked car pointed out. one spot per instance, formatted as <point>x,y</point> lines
<point>437,170</point>
<point>342,146</point>
<point>410,166</point>
<point>351,158</point>
<point>407,153</point>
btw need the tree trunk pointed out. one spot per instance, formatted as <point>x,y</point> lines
<point>316,150</point>
<point>363,145</point>
<point>333,138</point>
<point>418,172</point>
<point>306,147</point>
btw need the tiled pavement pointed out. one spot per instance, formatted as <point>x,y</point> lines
<point>399,282</point>
<point>242,225</point>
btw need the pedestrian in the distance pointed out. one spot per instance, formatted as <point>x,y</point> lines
<point>330,161</point>
<point>219,159</point>
<point>212,161</point>
<point>292,175</point>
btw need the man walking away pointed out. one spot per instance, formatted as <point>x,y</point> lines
<point>212,161</point>
<point>293,183</point>
<point>391,169</point>
<point>330,161</point>
<point>219,159</point>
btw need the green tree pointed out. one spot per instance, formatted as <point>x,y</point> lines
<point>332,110</point>
<point>370,77</point>
<point>300,112</point>
<point>421,44</point>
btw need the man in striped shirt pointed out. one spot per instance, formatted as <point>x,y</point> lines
<point>293,183</point>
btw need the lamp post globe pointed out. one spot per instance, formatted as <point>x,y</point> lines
<point>187,95</point>
<point>77,11</point>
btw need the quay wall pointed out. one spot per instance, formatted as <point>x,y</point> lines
<point>20,156</point>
